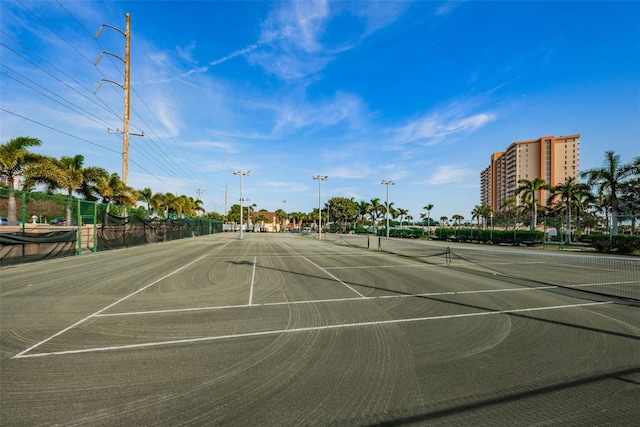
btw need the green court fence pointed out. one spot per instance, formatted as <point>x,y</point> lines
<point>33,226</point>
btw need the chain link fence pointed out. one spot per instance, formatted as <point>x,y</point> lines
<point>36,226</point>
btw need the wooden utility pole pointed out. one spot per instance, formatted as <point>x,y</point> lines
<point>127,91</point>
<point>127,98</point>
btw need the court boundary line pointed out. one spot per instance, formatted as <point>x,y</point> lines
<point>79,322</point>
<point>305,329</point>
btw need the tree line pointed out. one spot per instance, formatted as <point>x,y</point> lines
<point>70,176</point>
<point>607,192</point>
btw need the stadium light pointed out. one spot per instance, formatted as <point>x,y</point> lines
<point>387,182</point>
<point>242,173</point>
<point>320,178</point>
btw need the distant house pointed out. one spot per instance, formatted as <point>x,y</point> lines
<point>267,222</point>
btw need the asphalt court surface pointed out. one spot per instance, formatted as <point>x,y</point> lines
<point>287,330</point>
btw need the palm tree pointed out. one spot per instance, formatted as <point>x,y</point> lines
<point>457,219</point>
<point>281,215</point>
<point>428,209</point>
<point>375,210</point>
<point>158,203</point>
<point>476,213</point>
<point>608,179</point>
<point>443,221</point>
<point>363,210</point>
<point>145,195</point>
<point>569,194</point>
<point>14,158</point>
<point>67,174</point>
<point>630,201</point>
<point>529,189</point>
<point>402,213</point>
<point>194,207</point>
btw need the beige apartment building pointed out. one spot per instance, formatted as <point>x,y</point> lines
<point>551,158</point>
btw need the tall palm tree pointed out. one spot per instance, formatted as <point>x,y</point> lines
<point>363,210</point>
<point>402,213</point>
<point>569,194</point>
<point>476,213</point>
<point>428,209</point>
<point>375,210</point>
<point>529,189</point>
<point>14,158</point>
<point>607,180</point>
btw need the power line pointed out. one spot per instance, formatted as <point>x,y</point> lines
<point>161,155</point>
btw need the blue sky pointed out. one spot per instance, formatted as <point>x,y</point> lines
<point>421,93</point>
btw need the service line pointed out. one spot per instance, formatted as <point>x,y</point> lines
<point>334,277</point>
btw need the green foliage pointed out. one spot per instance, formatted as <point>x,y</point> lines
<point>342,210</point>
<point>411,233</point>
<point>620,243</point>
<point>359,230</point>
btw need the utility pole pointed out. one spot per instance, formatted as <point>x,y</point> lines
<point>199,191</point>
<point>126,87</point>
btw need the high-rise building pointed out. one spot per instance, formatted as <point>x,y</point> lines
<point>551,158</point>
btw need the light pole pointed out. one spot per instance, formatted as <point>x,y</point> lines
<point>284,211</point>
<point>242,173</point>
<point>320,178</point>
<point>387,182</point>
<point>491,234</point>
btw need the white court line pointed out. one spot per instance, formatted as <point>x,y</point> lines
<point>253,277</point>
<point>271,304</point>
<point>371,267</point>
<point>307,329</point>
<point>334,277</point>
<point>602,284</point>
<point>21,354</point>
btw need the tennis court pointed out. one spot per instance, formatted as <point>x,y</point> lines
<point>288,330</point>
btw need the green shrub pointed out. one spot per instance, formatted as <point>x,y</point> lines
<point>621,243</point>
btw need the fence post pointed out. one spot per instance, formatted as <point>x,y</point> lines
<point>23,212</point>
<point>79,221</point>
<point>24,217</point>
<point>95,227</point>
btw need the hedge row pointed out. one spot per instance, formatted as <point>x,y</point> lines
<point>621,243</point>
<point>410,233</point>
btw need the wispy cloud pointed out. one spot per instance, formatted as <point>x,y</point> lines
<point>344,107</point>
<point>433,127</point>
<point>354,170</point>
<point>297,37</point>
<point>448,7</point>
<point>449,174</point>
